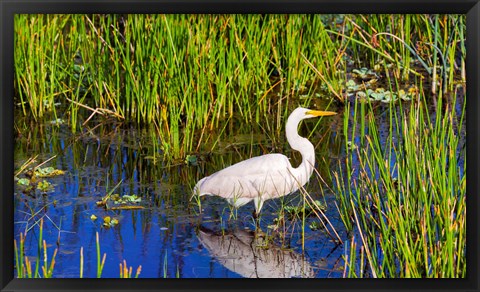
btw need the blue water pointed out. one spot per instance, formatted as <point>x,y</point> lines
<point>165,237</point>
<point>173,236</point>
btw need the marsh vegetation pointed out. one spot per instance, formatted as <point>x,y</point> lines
<point>118,116</point>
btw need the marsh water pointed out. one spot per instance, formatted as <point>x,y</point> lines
<point>168,233</point>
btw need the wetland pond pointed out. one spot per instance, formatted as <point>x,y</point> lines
<point>150,219</point>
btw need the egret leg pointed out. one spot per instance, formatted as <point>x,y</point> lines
<point>256,213</point>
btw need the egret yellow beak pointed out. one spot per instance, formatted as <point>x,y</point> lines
<point>320,113</point>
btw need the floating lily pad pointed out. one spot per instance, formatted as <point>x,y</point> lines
<point>48,172</point>
<point>352,86</point>
<point>44,186</point>
<point>365,74</point>
<point>381,95</point>
<point>361,95</point>
<point>125,199</point>
<point>25,182</point>
<point>115,197</point>
<point>411,93</point>
<point>132,199</point>
<point>109,222</point>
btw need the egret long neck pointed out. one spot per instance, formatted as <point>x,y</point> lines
<point>302,145</point>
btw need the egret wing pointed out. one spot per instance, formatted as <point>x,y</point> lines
<point>247,179</point>
<point>259,165</point>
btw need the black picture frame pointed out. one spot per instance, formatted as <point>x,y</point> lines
<point>7,10</point>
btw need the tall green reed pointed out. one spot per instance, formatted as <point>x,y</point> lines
<point>39,54</point>
<point>43,261</point>
<point>46,263</point>
<point>187,74</point>
<point>180,72</point>
<point>435,42</point>
<point>408,202</point>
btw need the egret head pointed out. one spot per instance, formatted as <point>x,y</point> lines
<point>301,113</point>
<point>314,113</point>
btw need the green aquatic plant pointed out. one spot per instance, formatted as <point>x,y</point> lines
<point>308,209</point>
<point>104,201</point>
<point>406,191</point>
<point>126,272</point>
<point>208,69</point>
<point>365,74</point>
<point>125,199</point>
<point>25,182</point>
<point>23,264</point>
<point>44,186</point>
<point>43,265</point>
<point>100,262</point>
<point>48,172</point>
<point>109,222</point>
<point>315,225</point>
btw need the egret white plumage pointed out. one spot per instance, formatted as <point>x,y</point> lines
<point>268,176</point>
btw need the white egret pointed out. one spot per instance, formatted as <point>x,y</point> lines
<point>268,176</point>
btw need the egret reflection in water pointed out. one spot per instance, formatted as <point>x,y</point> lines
<point>244,253</point>
<point>268,176</point>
